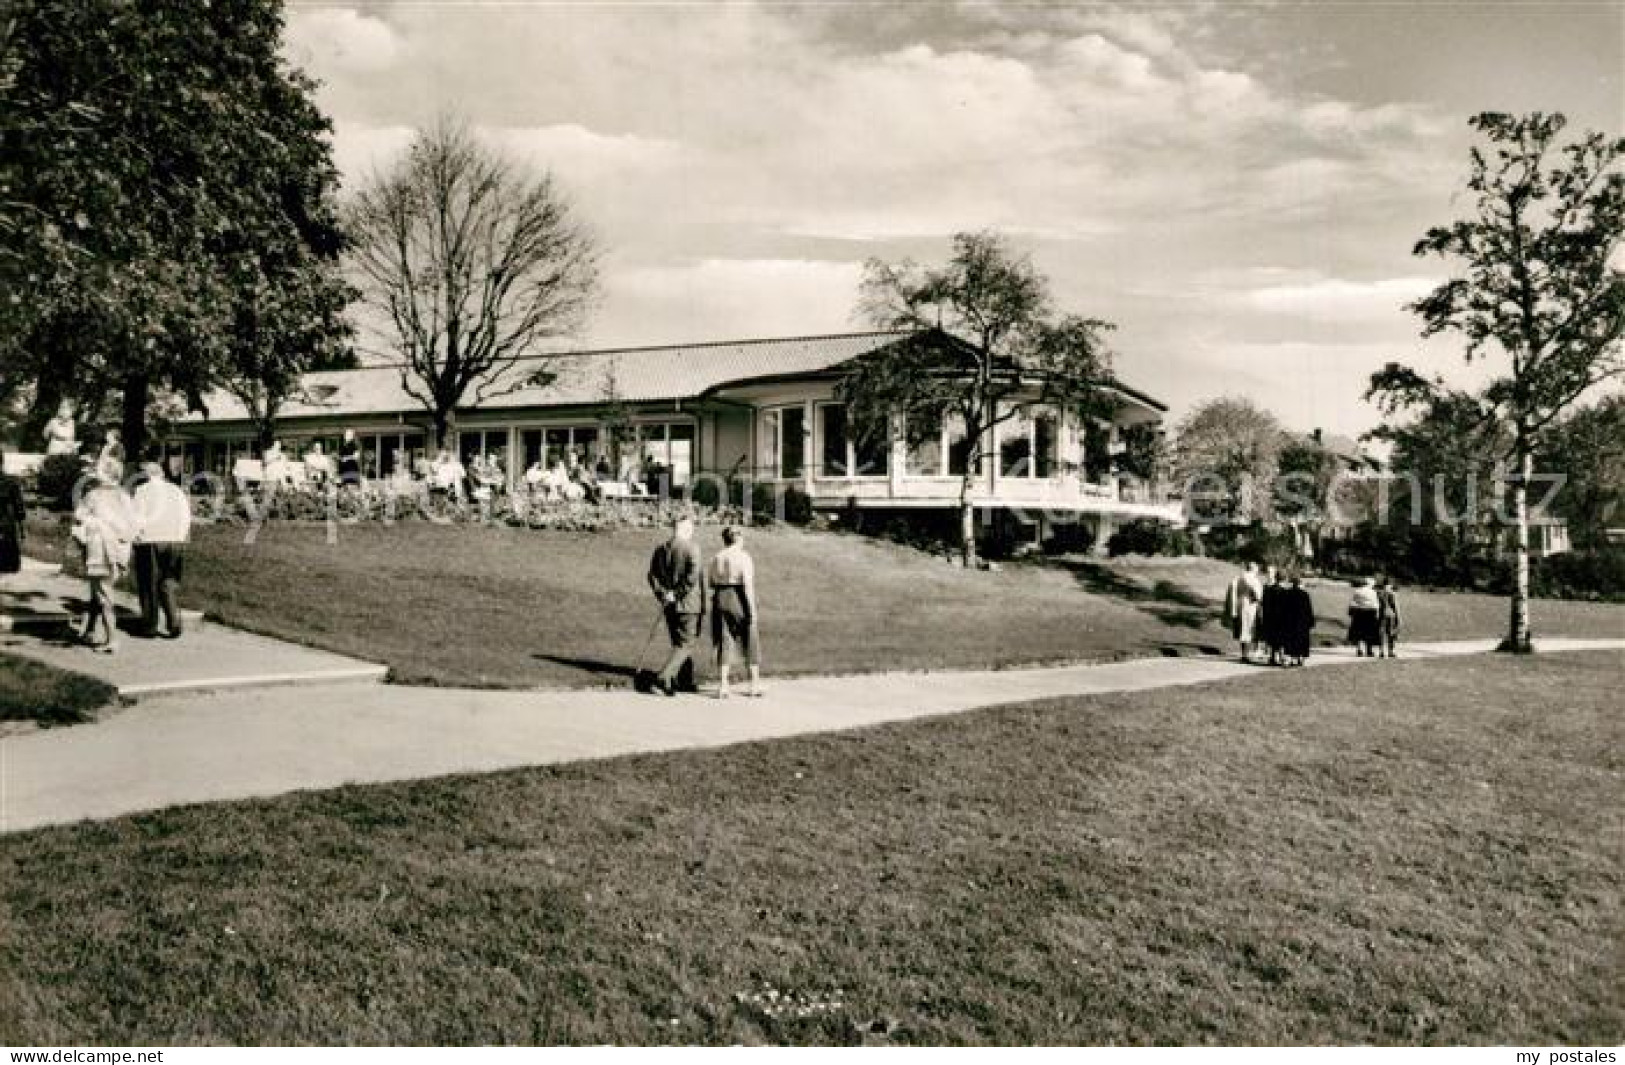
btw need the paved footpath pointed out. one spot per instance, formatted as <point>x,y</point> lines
<point>211,657</point>
<point>238,744</point>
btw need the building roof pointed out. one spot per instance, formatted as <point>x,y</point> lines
<point>639,375</point>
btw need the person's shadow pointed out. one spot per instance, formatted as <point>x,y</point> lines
<point>591,665</point>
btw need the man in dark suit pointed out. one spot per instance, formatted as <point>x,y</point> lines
<point>678,582</point>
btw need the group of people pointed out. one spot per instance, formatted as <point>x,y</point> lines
<point>687,589</point>
<point>146,530</point>
<point>1271,613</point>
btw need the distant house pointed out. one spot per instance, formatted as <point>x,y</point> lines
<point>758,409</point>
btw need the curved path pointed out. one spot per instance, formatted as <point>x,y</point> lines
<point>238,744</point>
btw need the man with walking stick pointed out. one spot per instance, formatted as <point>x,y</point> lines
<point>677,582</point>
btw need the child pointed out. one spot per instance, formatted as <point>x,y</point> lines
<point>104,525</point>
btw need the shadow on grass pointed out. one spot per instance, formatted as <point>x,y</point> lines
<point>1168,602</point>
<point>591,665</point>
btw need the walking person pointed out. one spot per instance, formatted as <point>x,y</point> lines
<point>1272,617</point>
<point>1241,608</point>
<point>1387,619</point>
<point>104,525</point>
<point>13,520</point>
<point>163,525</point>
<point>677,580</point>
<point>731,576</point>
<point>1363,610</point>
<point>1299,622</point>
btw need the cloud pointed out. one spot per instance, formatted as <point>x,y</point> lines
<point>739,161</point>
<point>1338,299</point>
<point>341,39</point>
<point>756,297</point>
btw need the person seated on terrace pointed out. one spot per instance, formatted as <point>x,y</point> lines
<point>318,467</point>
<point>422,468</point>
<point>278,470</point>
<point>400,476</point>
<point>446,476</point>
<point>479,479</point>
<point>496,473</point>
<point>536,478</point>
<point>602,471</point>
<point>560,485</point>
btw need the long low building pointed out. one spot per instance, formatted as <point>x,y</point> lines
<point>762,409</point>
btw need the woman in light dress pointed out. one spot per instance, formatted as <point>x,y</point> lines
<point>1241,606</point>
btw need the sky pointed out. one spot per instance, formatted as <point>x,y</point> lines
<point>1237,187</point>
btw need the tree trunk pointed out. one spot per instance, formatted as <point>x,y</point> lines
<point>967,530</point>
<point>1518,639</point>
<point>133,420</point>
<point>444,425</point>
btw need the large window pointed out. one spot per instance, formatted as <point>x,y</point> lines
<point>1016,448</point>
<point>556,443</point>
<point>669,445</point>
<point>784,446</point>
<point>843,455</point>
<point>492,443</point>
<point>1027,446</point>
<point>959,446</point>
<point>925,458</point>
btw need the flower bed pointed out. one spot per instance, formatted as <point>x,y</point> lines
<point>379,503</point>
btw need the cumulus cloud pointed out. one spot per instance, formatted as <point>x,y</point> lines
<point>341,39</point>
<point>739,161</point>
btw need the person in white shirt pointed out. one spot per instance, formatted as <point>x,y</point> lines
<point>318,467</point>
<point>731,577</point>
<point>163,525</point>
<point>447,476</point>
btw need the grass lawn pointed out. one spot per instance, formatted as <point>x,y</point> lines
<point>514,607</point>
<point>30,691</point>
<point>1420,852</point>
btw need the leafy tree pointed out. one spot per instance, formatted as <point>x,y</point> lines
<point>1537,289</point>
<point>283,331</point>
<point>472,261</point>
<point>1307,488</point>
<point>1225,456</point>
<point>985,345</point>
<point>1445,466</point>
<point>162,167</point>
<point>1588,449</point>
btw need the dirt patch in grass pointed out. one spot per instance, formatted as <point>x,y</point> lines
<point>1422,852</point>
<point>30,691</point>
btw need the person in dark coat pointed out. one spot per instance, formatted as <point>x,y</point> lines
<point>1298,622</point>
<point>1272,618</point>
<point>678,582</point>
<point>1387,618</point>
<point>13,517</point>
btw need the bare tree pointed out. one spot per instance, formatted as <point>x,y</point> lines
<point>471,260</point>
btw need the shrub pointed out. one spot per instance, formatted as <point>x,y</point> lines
<point>798,508</point>
<point>1147,536</point>
<point>56,479</point>
<point>1595,575</point>
<point>1254,543</point>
